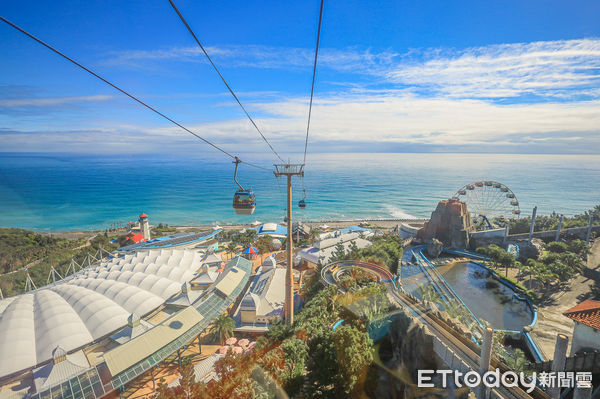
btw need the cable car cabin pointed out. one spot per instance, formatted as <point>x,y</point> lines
<point>244,202</point>
<point>301,204</point>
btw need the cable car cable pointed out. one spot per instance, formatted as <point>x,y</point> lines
<point>312,90</point>
<point>123,91</point>
<point>223,79</point>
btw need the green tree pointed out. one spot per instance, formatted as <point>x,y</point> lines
<point>339,253</point>
<point>188,387</point>
<point>557,247</point>
<point>295,353</point>
<point>580,247</point>
<point>222,328</point>
<point>428,293</point>
<point>498,256</point>
<point>517,360</point>
<point>263,243</point>
<point>323,369</point>
<point>314,235</point>
<point>232,247</point>
<point>354,355</point>
<point>279,331</point>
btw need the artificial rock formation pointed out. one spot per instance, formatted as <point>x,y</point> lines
<point>434,248</point>
<point>450,223</point>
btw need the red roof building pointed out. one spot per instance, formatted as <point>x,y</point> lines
<point>135,237</point>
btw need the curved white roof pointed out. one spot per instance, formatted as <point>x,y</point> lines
<point>89,305</point>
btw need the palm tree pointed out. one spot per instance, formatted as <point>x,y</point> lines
<point>232,247</point>
<point>222,328</point>
<point>313,235</point>
<point>428,293</point>
<point>455,310</point>
<point>517,361</point>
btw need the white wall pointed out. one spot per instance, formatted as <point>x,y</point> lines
<point>584,337</point>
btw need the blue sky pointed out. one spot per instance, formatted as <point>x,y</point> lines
<point>400,76</point>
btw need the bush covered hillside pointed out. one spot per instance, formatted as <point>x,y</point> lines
<point>20,249</point>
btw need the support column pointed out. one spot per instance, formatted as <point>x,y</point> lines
<point>484,360</point>
<point>589,229</point>
<point>506,232</point>
<point>289,170</point>
<point>289,275</point>
<point>153,381</point>
<point>582,393</point>
<point>558,363</point>
<point>532,224</point>
<point>557,237</point>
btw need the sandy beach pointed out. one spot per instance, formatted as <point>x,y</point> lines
<point>333,224</point>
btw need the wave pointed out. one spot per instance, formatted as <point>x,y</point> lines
<point>398,213</point>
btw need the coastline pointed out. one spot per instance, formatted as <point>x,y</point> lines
<point>333,224</point>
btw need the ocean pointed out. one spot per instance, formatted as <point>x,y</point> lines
<point>67,192</point>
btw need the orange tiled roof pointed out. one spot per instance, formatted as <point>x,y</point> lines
<point>587,312</point>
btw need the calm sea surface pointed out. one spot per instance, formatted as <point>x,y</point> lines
<point>64,192</point>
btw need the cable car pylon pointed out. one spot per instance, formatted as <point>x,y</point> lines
<point>289,170</point>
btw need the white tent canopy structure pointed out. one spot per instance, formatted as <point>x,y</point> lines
<point>89,305</point>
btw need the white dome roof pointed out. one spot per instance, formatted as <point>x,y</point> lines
<point>89,305</point>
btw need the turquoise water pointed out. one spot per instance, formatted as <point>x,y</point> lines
<point>486,297</point>
<point>63,192</point>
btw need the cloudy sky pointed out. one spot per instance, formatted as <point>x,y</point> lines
<point>393,76</point>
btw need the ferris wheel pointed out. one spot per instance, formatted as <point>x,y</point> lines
<point>489,199</point>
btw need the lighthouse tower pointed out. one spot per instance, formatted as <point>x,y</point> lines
<point>144,226</point>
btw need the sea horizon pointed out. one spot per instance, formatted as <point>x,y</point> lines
<point>57,192</point>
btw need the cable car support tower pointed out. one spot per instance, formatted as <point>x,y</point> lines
<point>288,170</point>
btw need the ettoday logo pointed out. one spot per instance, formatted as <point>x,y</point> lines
<point>509,379</point>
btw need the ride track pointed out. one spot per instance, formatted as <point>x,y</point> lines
<point>462,346</point>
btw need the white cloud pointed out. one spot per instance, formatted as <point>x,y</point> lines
<point>259,56</point>
<point>559,69</point>
<point>517,97</point>
<point>556,69</point>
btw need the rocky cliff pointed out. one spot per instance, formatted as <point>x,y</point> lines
<point>450,223</point>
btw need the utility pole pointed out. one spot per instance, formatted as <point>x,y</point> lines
<point>289,170</point>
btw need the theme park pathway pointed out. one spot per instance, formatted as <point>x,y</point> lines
<point>168,371</point>
<point>550,318</point>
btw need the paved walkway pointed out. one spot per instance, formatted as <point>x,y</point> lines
<point>550,318</point>
<point>143,387</point>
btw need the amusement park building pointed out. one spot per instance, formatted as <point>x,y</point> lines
<point>89,305</point>
<point>77,316</point>
<point>264,301</point>
<point>324,249</point>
